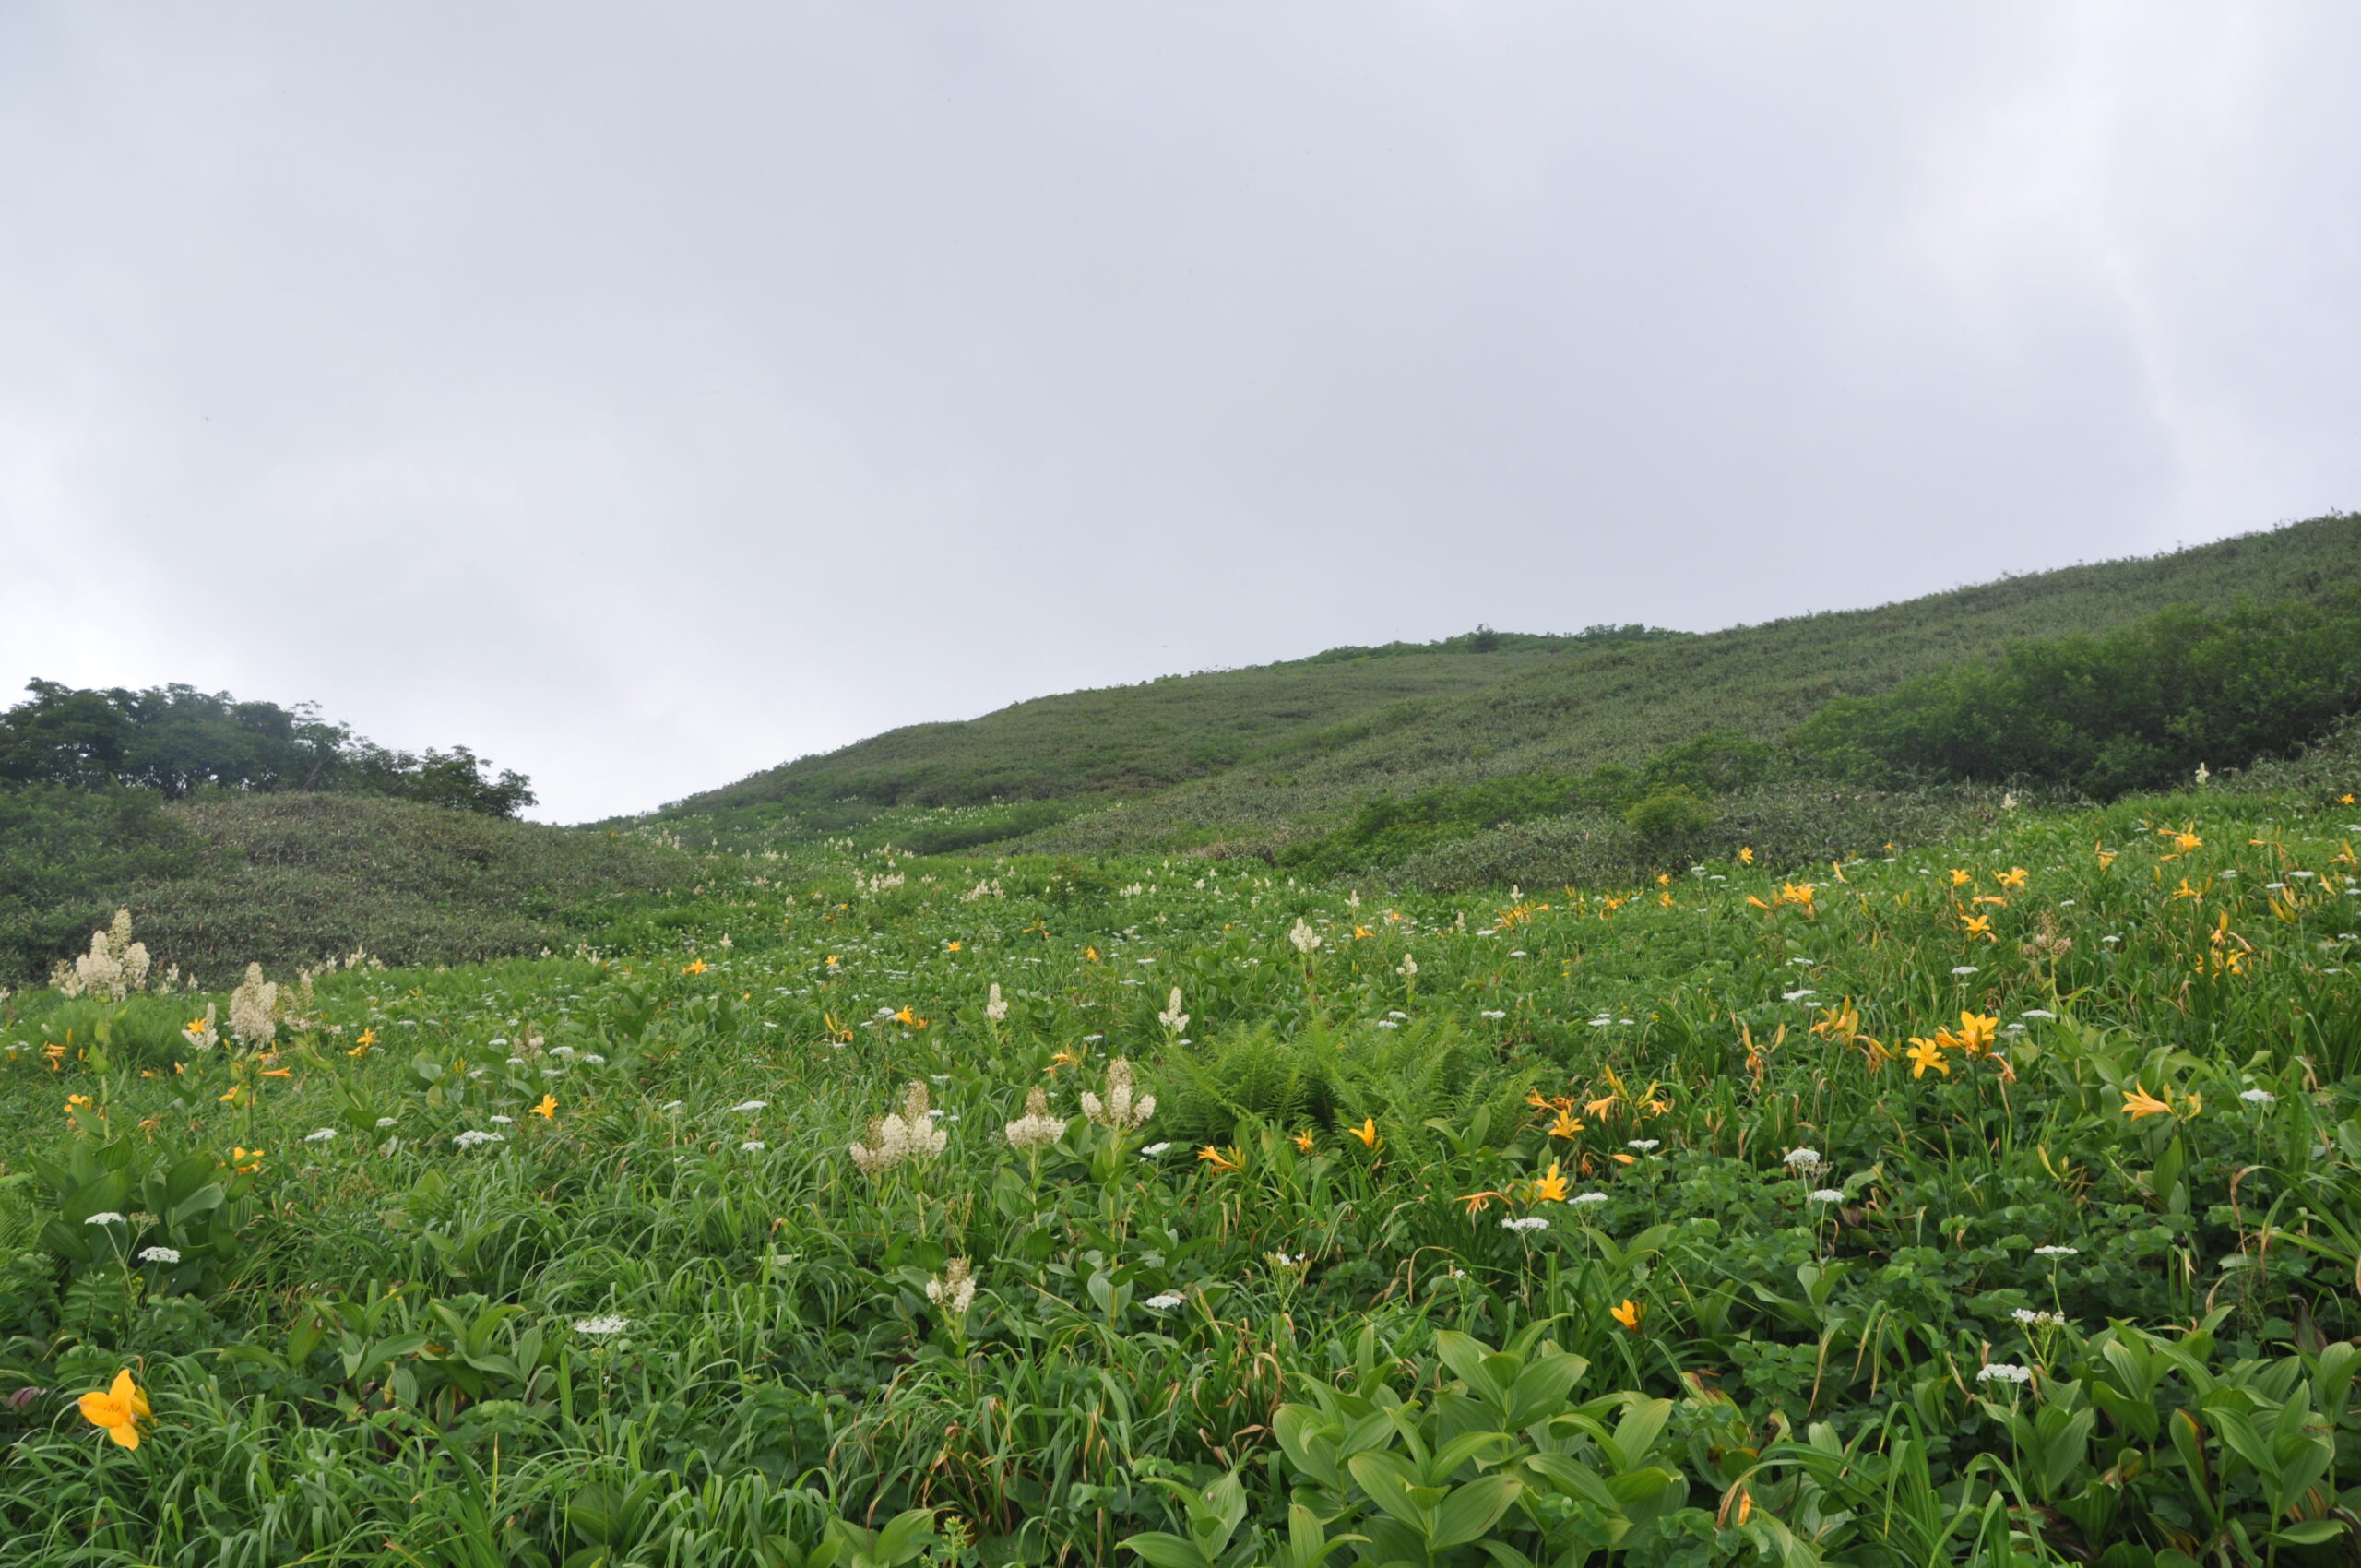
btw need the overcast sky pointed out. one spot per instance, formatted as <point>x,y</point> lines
<point>646,395</point>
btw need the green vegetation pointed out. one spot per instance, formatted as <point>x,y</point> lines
<point>292,878</point>
<point>1634,1098</point>
<point>1997,1201</point>
<point>178,741</point>
<point>2142,707</point>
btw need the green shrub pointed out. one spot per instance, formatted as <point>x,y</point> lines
<point>1669,815</point>
<point>2139,708</point>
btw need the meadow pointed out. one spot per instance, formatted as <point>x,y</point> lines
<point>1992,1198</point>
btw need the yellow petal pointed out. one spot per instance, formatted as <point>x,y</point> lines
<point>101,1410</point>
<point>125,1435</point>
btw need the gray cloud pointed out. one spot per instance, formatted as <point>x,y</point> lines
<point>645,395</point>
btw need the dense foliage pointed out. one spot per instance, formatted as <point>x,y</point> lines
<point>177,740</point>
<point>2141,707</point>
<point>291,878</point>
<point>1995,1202</point>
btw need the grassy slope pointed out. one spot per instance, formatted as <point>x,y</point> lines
<point>288,879</point>
<point>1257,754</point>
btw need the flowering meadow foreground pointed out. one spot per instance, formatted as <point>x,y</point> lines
<point>1990,1202</point>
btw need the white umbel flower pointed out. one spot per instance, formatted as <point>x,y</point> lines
<point>160,1254</point>
<point>600,1327</point>
<point>954,1290</point>
<point>2003,1372</point>
<point>907,1137</point>
<point>1805,1161</point>
<point>1036,1129</point>
<point>253,1009</point>
<point>1120,1111</point>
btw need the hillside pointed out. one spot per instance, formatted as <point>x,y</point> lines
<point>286,879</point>
<point>1264,755</point>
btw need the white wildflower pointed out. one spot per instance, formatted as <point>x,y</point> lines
<point>2037,1013</point>
<point>204,1033</point>
<point>1829,1195</point>
<point>320,1136</point>
<point>1409,967</point>
<point>2055,1252</point>
<point>475,1137</point>
<point>385,1121</point>
<point>2259,1097</point>
<point>909,1136</point>
<point>1587,1198</point>
<point>1645,1146</point>
<point>1304,937</point>
<point>1120,1111</point>
<point>104,1217</point>
<point>2032,1319</point>
<point>1172,1017</point>
<point>504,1120</point>
<point>752,1145</point>
<point>1152,1151</point>
<point>1166,1301</point>
<point>996,1009</point>
<point>1526,1222</point>
<point>1804,1161</point>
<point>1963,968</point>
<point>954,1290</point>
<point>1036,1129</point>
<point>253,1008</point>
<point>752,1105</point>
<point>600,1327</point>
<point>2003,1372</point>
<point>158,1255</point>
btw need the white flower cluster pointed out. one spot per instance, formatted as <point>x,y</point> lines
<point>1172,1017</point>
<point>1805,1162</point>
<point>983,890</point>
<point>104,1217</point>
<point>1304,937</point>
<point>253,1008</point>
<point>114,967</point>
<point>1036,1129</point>
<point>1526,1222</point>
<point>160,1254</point>
<point>1165,1302</point>
<point>1409,968</point>
<point>2055,1252</point>
<point>1587,1198</point>
<point>2003,1372</point>
<point>2032,1319</point>
<point>1829,1195</point>
<point>908,1136</point>
<point>320,1136</point>
<point>600,1326</point>
<point>954,1290</point>
<point>996,1009</point>
<point>1120,1111</point>
<point>204,1033</point>
<point>2259,1097</point>
<point>475,1137</point>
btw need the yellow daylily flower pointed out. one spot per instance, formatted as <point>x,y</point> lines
<point>118,1411</point>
